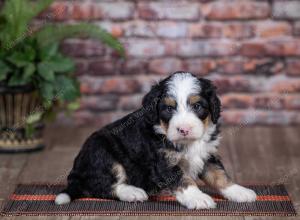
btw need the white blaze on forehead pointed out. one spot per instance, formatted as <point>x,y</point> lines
<point>181,86</point>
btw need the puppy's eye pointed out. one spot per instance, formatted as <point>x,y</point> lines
<point>170,109</point>
<point>197,107</point>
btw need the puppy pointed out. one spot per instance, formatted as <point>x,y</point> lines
<point>169,143</point>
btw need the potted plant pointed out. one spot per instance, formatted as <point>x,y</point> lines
<point>35,77</point>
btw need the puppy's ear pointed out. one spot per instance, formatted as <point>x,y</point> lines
<point>150,103</point>
<point>152,96</point>
<point>215,107</point>
<point>210,93</point>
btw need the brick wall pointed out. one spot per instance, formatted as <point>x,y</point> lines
<point>250,49</point>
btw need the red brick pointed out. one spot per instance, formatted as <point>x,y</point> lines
<point>236,101</point>
<point>232,84</point>
<point>269,101</point>
<point>286,47</point>
<point>116,85</point>
<point>228,10</point>
<point>250,117</point>
<point>99,10</point>
<point>134,66</point>
<point>277,67</point>
<point>104,67</point>
<point>82,11</point>
<point>265,101</point>
<point>283,84</point>
<point>252,59</point>
<point>251,65</point>
<point>292,102</point>
<point>59,11</point>
<point>114,10</point>
<point>81,67</point>
<point>286,9</point>
<point>231,66</point>
<point>83,48</point>
<point>171,29</point>
<point>264,66</point>
<point>165,10</point>
<point>115,29</point>
<point>171,47</point>
<point>165,66</point>
<point>144,48</point>
<point>272,29</point>
<point>293,67</point>
<point>137,28</point>
<point>205,30</point>
<point>207,48</point>
<point>253,49</point>
<point>147,81</point>
<point>237,116</point>
<point>99,103</point>
<point>131,102</point>
<point>297,28</point>
<point>237,30</point>
<point>200,66</point>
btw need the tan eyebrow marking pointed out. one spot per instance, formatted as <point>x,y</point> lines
<point>170,101</point>
<point>194,99</point>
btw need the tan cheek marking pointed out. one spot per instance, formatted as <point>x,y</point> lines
<point>170,102</point>
<point>194,99</point>
<point>206,121</point>
<point>164,126</point>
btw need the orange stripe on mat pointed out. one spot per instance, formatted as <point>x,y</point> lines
<point>153,198</point>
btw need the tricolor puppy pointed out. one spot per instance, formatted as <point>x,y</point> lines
<point>169,143</point>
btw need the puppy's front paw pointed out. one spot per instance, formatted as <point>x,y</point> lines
<point>130,193</point>
<point>193,198</point>
<point>239,193</point>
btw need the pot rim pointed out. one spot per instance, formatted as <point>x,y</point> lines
<point>16,89</point>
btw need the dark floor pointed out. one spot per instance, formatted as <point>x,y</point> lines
<point>251,155</point>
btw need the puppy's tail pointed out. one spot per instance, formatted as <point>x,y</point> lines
<point>62,199</point>
<point>66,196</point>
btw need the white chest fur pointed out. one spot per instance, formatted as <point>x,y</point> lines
<point>197,153</point>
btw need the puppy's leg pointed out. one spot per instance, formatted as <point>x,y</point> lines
<point>190,196</point>
<point>215,175</point>
<point>123,191</point>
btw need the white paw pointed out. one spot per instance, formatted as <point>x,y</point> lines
<point>62,198</point>
<point>193,198</point>
<point>239,193</point>
<point>130,193</point>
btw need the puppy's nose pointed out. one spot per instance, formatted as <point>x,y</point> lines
<point>184,131</point>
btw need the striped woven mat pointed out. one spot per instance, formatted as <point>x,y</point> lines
<point>38,199</point>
